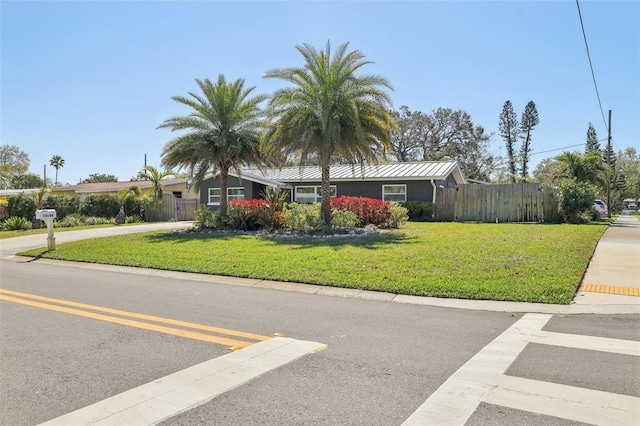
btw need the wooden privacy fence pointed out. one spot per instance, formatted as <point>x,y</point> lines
<point>172,208</point>
<point>518,202</point>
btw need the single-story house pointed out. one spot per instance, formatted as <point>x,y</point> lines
<point>399,182</point>
<point>180,188</point>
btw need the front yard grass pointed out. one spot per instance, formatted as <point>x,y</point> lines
<point>515,262</point>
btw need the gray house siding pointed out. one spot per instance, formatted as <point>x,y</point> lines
<point>251,189</point>
<point>416,190</point>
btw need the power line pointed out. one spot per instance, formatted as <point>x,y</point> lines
<point>564,147</point>
<point>593,75</point>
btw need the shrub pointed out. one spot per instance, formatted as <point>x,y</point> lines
<point>64,205</point>
<point>92,220</point>
<point>101,205</point>
<point>343,219</point>
<point>205,218</point>
<point>133,219</point>
<point>576,201</point>
<point>369,210</point>
<point>420,211</point>
<point>20,205</point>
<point>246,214</point>
<point>272,214</point>
<point>304,216</point>
<point>16,223</point>
<point>398,216</point>
<point>70,221</point>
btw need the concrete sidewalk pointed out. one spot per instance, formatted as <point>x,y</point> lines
<point>613,275</point>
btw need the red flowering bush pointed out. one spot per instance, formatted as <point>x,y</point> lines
<point>246,214</point>
<point>256,214</point>
<point>368,210</point>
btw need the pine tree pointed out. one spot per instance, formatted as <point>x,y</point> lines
<point>529,121</point>
<point>592,139</point>
<point>509,131</point>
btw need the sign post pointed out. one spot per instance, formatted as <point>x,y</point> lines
<point>48,215</point>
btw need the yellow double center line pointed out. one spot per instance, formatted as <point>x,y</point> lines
<point>62,306</point>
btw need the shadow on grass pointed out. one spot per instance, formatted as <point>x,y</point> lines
<point>372,242</point>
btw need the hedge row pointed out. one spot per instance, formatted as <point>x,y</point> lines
<point>97,205</point>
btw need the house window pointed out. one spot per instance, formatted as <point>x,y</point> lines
<point>232,194</point>
<point>177,194</point>
<point>397,193</point>
<point>311,194</point>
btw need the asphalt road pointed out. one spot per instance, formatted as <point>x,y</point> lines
<point>382,362</point>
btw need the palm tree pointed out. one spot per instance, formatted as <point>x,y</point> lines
<point>155,176</point>
<point>329,113</point>
<point>589,167</point>
<point>223,132</point>
<point>57,162</point>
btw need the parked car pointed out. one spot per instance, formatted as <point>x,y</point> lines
<point>601,207</point>
<point>632,206</point>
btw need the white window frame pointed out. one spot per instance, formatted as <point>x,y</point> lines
<point>316,193</point>
<point>384,194</point>
<point>229,196</point>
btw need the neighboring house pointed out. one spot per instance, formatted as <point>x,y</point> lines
<point>399,182</point>
<point>180,188</point>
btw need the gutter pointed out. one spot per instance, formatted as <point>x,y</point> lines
<point>433,196</point>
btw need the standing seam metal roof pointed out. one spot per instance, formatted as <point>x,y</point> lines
<point>436,170</point>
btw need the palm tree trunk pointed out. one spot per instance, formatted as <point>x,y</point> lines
<point>56,183</point>
<point>224,174</point>
<point>325,193</point>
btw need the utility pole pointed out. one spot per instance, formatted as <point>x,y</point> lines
<point>44,182</point>
<point>609,164</point>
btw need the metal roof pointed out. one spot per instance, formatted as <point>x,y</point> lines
<point>424,170</point>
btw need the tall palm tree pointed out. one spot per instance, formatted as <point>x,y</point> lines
<point>57,162</point>
<point>330,112</point>
<point>155,176</point>
<point>223,132</point>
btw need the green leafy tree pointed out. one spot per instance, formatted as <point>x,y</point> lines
<point>99,178</point>
<point>155,176</point>
<point>509,131</point>
<point>57,162</point>
<point>27,181</point>
<point>548,172</point>
<point>593,144</point>
<point>442,134</point>
<point>329,112</point>
<point>223,132</point>
<point>13,162</point>
<point>629,163</point>
<point>528,122</point>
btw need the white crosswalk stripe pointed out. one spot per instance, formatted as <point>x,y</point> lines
<point>166,397</point>
<point>482,379</point>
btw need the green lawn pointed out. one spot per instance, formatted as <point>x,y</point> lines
<point>518,262</point>
<point>43,230</point>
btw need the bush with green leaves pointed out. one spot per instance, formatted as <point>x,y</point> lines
<point>92,220</point>
<point>21,205</point>
<point>420,211</point>
<point>305,216</point>
<point>16,223</point>
<point>205,218</point>
<point>133,219</point>
<point>398,217</point>
<point>70,221</point>
<point>101,205</point>
<point>344,219</point>
<point>576,200</point>
<point>64,205</point>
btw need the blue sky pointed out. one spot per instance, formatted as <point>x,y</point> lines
<point>91,81</point>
